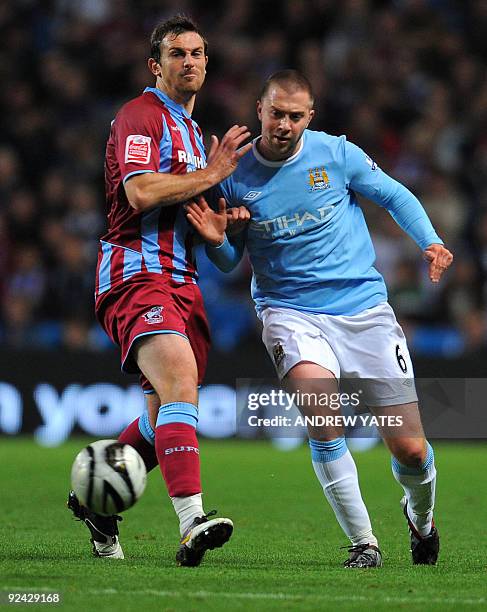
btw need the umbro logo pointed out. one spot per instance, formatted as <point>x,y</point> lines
<point>371,162</point>
<point>251,195</point>
<point>175,128</point>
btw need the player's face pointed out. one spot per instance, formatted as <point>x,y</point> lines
<point>284,117</point>
<point>182,65</point>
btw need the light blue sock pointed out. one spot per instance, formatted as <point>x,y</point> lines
<point>419,486</point>
<point>336,471</point>
<point>145,428</point>
<point>178,412</point>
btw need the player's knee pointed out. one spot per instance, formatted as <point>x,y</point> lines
<point>175,384</point>
<point>171,388</point>
<point>412,454</point>
<point>183,390</point>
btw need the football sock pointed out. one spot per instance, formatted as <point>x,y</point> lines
<point>178,455</point>
<point>419,485</point>
<point>187,509</point>
<point>335,469</point>
<point>141,436</point>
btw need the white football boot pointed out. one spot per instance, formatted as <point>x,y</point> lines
<point>203,535</point>
<point>103,529</point>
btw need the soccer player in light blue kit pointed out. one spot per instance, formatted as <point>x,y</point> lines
<point>322,303</point>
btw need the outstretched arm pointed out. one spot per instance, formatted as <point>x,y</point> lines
<point>211,226</point>
<point>368,179</point>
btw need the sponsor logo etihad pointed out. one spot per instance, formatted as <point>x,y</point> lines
<point>289,224</point>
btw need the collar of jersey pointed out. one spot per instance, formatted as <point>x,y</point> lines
<point>177,108</point>
<point>276,164</point>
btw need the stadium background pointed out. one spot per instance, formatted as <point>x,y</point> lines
<point>405,80</point>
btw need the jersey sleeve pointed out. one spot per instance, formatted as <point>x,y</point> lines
<point>138,133</point>
<point>213,194</point>
<point>365,177</point>
<point>227,256</point>
<point>224,190</point>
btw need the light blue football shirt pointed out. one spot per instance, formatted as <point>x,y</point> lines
<point>307,240</point>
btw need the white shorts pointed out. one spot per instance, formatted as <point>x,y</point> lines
<point>368,349</point>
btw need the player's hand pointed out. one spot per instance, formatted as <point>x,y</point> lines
<point>210,224</point>
<point>237,219</point>
<point>439,259</point>
<point>224,155</point>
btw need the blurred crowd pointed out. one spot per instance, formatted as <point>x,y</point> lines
<point>404,79</point>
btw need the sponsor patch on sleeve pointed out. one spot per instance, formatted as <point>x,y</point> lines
<point>137,149</point>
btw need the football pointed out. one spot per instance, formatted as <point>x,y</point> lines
<point>108,477</point>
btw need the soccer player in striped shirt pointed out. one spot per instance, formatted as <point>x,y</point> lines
<point>147,297</point>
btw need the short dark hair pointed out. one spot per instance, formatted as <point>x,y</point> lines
<point>176,26</point>
<point>288,79</point>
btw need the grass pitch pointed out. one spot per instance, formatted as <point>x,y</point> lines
<point>284,554</point>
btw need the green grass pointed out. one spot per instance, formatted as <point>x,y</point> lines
<point>285,553</point>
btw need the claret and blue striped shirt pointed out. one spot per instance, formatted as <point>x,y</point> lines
<point>151,133</point>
